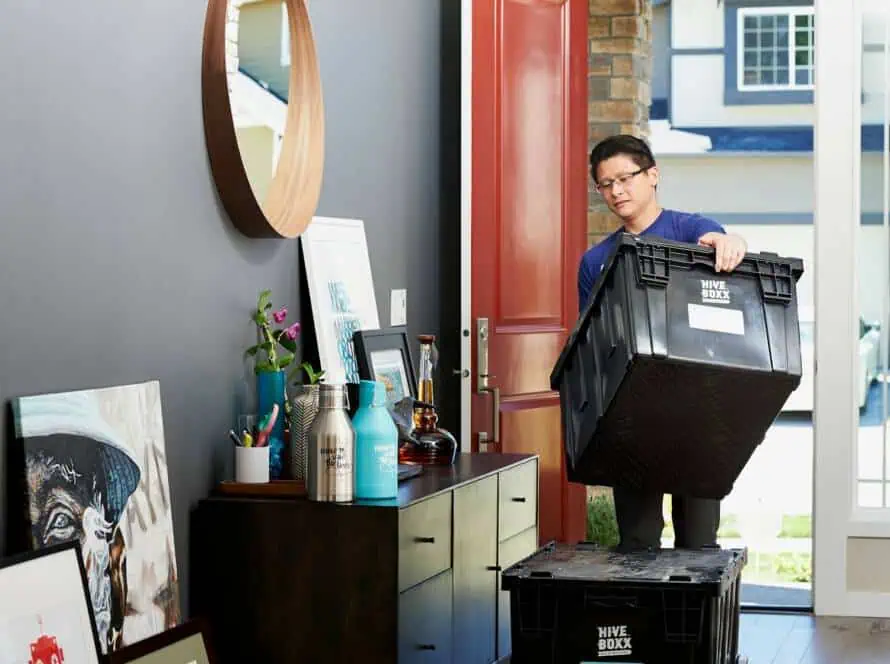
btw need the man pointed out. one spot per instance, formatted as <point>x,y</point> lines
<point>80,475</point>
<point>626,176</point>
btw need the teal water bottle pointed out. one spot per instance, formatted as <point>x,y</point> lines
<point>376,445</point>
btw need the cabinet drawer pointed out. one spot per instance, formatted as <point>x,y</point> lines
<point>517,499</point>
<point>425,622</point>
<point>424,540</point>
<point>511,552</point>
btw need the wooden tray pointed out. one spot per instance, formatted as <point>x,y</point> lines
<point>272,489</point>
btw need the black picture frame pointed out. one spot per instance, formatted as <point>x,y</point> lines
<point>156,644</point>
<point>368,343</point>
<point>13,560</point>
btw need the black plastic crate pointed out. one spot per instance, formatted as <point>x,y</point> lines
<point>674,372</point>
<point>579,603</point>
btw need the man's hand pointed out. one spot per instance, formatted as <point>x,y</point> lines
<point>730,249</point>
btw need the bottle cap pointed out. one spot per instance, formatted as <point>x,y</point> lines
<point>372,393</point>
<point>332,396</point>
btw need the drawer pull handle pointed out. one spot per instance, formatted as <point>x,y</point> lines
<point>494,568</point>
<point>518,499</point>
<point>425,540</point>
<point>426,646</point>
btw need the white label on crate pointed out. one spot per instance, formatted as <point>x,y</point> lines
<point>716,319</point>
<point>714,291</point>
<point>613,641</point>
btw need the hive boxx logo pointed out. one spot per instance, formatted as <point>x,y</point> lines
<point>714,291</point>
<point>613,641</point>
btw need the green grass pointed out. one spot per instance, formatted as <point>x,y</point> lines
<point>602,527</point>
<point>797,526</point>
<point>787,567</point>
<point>778,568</point>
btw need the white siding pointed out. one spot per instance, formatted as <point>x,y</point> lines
<point>697,24</point>
<point>697,81</point>
<point>661,62</point>
<point>780,185</point>
<point>697,97</point>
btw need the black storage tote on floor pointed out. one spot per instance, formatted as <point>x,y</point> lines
<point>579,603</point>
<point>674,372</point>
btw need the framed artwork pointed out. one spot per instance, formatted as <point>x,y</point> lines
<point>188,643</point>
<point>96,466</point>
<point>341,290</point>
<point>45,611</point>
<point>384,355</point>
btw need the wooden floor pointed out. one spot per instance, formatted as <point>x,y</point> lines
<point>794,639</point>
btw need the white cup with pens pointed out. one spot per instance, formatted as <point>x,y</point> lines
<point>252,447</point>
<point>251,454</point>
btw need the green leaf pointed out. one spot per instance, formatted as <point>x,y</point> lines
<point>263,366</point>
<point>265,300</point>
<point>285,360</point>
<point>290,344</point>
<point>267,346</point>
<point>258,318</point>
<point>252,351</point>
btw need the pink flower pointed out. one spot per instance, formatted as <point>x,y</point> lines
<point>280,315</point>
<point>292,331</point>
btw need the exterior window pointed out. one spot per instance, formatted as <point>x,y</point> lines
<point>776,48</point>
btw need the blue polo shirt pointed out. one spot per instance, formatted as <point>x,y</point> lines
<point>670,225</point>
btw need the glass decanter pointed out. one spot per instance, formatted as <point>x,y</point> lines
<point>429,445</point>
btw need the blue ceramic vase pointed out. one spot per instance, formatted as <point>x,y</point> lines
<point>376,445</point>
<point>271,390</point>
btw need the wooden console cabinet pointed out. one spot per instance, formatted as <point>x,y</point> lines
<point>411,580</point>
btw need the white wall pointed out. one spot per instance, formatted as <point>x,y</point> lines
<point>771,183</point>
<point>697,24</point>
<point>257,147</point>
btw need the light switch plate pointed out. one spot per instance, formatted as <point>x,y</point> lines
<point>398,307</point>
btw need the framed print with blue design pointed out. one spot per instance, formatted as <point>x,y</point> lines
<point>341,290</point>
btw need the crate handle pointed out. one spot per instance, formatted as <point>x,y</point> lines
<point>649,259</point>
<point>684,578</point>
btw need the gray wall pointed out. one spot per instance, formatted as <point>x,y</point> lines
<point>117,263</point>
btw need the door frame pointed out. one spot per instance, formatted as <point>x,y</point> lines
<point>837,197</point>
<point>466,216</point>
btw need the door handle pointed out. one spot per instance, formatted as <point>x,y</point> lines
<point>482,385</point>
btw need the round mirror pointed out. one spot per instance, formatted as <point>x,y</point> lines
<point>263,113</point>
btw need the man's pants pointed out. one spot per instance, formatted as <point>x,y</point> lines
<point>641,520</point>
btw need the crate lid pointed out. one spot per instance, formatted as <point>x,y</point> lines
<point>714,569</point>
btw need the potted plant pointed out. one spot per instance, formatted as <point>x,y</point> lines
<point>274,351</point>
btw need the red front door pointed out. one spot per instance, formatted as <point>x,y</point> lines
<point>529,219</point>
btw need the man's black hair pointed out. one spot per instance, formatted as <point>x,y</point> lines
<point>633,147</point>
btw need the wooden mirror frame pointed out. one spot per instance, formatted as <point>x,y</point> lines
<point>296,186</point>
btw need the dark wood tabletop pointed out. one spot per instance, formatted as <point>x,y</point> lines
<point>433,480</point>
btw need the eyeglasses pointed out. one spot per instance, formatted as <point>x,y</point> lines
<point>623,180</point>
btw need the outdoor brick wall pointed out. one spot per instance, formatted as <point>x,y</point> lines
<point>619,75</point>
